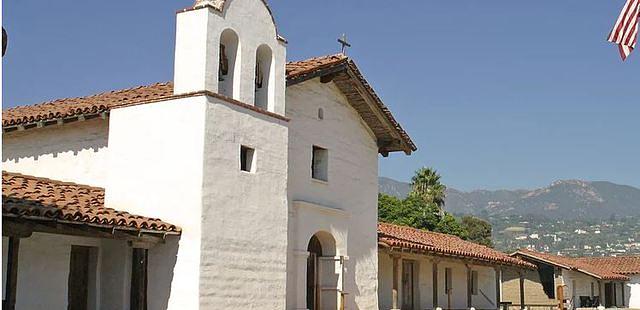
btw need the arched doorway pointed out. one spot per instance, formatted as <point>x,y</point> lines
<point>315,252</point>
<point>322,279</point>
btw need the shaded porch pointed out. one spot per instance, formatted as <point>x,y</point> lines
<point>63,249</point>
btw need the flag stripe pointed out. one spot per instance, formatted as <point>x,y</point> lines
<point>622,19</point>
<point>630,22</point>
<point>625,30</point>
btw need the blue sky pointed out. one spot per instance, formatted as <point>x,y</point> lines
<point>496,94</point>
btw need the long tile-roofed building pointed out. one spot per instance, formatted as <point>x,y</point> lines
<point>586,266</point>
<point>44,200</point>
<point>422,241</point>
<point>626,265</point>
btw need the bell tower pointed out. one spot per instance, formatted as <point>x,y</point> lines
<point>230,51</point>
<point>232,48</point>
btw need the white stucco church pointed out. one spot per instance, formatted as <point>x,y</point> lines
<point>245,183</point>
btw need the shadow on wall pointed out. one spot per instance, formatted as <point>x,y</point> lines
<point>54,140</point>
<point>162,260</point>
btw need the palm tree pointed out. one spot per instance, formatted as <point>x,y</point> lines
<point>426,185</point>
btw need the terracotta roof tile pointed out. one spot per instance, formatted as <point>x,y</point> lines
<point>443,244</point>
<point>104,102</point>
<point>70,107</point>
<point>618,264</point>
<point>37,198</point>
<point>573,264</point>
<point>306,69</point>
<point>296,69</point>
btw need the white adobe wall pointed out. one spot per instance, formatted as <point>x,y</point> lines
<point>244,215</point>
<point>73,152</point>
<point>632,292</point>
<point>352,187</point>
<point>43,272</point>
<point>197,50</point>
<point>156,169</point>
<point>385,281</point>
<point>459,277</point>
<point>485,299</point>
<point>582,285</point>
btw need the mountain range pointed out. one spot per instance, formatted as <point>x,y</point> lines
<point>563,199</point>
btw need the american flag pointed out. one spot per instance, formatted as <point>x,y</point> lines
<point>625,31</point>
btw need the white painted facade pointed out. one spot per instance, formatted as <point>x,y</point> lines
<point>423,283</point>
<point>632,291</point>
<point>43,276</point>
<point>73,152</point>
<point>244,234</point>
<point>579,284</point>
<point>345,206</point>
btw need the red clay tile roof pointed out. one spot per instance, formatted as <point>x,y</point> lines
<point>443,245</point>
<point>298,69</point>
<point>35,198</point>
<point>51,111</point>
<point>572,264</point>
<point>95,104</point>
<point>619,264</point>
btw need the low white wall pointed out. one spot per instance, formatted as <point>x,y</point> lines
<point>74,152</point>
<point>43,272</point>
<point>582,285</point>
<point>485,299</point>
<point>632,292</point>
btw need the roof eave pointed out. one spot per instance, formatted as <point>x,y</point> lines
<point>401,141</point>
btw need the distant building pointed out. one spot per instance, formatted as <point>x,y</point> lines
<point>576,282</point>
<point>425,270</point>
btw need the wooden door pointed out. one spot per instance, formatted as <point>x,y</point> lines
<point>78,290</point>
<point>312,281</point>
<point>408,285</point>
<point>608,295</point>
<point>330,278</point>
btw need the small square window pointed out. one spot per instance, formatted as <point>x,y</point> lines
<point>320,164</point>
<point>247,159</point>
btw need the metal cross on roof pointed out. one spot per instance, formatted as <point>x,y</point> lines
<point>343,41</point>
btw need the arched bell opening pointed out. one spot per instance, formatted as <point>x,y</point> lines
<point>228,78</point>
<point>263,84</point>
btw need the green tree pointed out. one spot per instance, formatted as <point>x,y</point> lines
<point>423,209</point>
<point>478,229</point>
<point>412,211</point>
<point>426,184</point>
<point>450,225</point>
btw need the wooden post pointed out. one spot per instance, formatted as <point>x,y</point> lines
<point>469,280</point>
<point>522,306</point>
<point>396,280</point>
<point>12,273</point>
<point>498,287</point>
<point>622,285</point>
<point>139,279</point>
<point>601,298</point>
<point>435,284</point>
<point>560,294</point>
